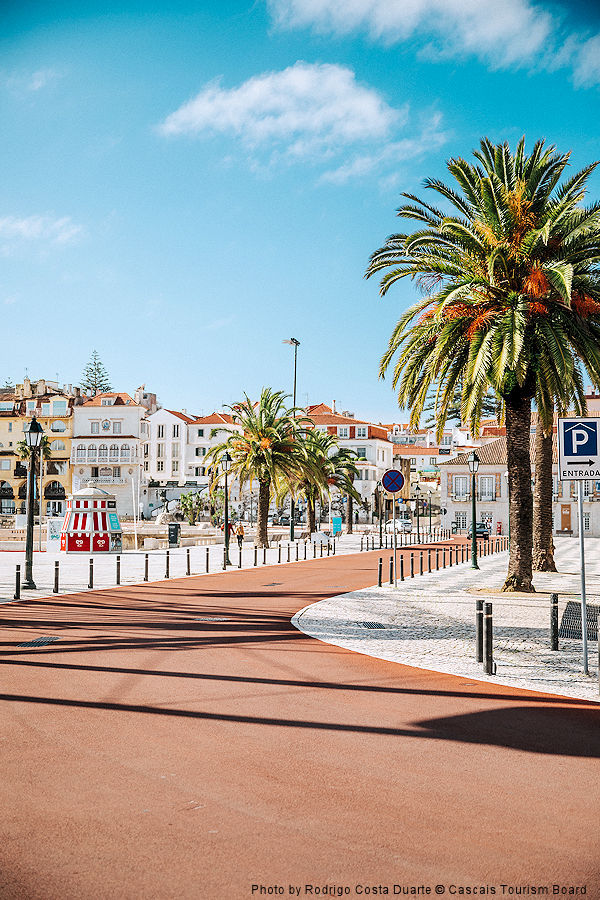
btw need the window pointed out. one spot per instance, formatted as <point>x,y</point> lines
<point>488,518</point>
<point>200,451</point>
<point>114,451</point>
<point>361,431</point>
<point>175,430</point>
<point>116,428</point>
<point>91,453</point>
<point>587,488</point>
<point>5,464</point>
<point>31,406</point>
<point>461,487</point>
<point>6,405</point>
<point>366,475</point>
<point>487,487</point>
<point>175,467</point>
<point>160,450</point>
<point>433,460</point>
<point>555,487</point>
<point>361,452</point>
<point>343,431</point>
<point>95,428</point>
<point>55,446</point>
<point>125,452</point>
<point>46,409</point>
<point>58,426</point>
<point>59,407</point>
<point>80,452</point>
<point>413,462</point>
<point>146,465</point>
<point>160,466</point>
<point>10,426</point>
<point>116,471</point>
<point>102,453</point>
<point>461,519</point>
<point>56,467</point>
<point>201,432</point>
<point>446,441</point>
<point>106,401</point>
<point>160,431</point>
<point>586,521</point>
<point>175,451</point>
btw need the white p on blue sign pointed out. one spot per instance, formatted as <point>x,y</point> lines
<point>578,457</point>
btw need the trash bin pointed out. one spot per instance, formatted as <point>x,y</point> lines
<point>174,534</point>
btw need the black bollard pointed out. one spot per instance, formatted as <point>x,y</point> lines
<point>17,594</point>
<point>255,555</point>
<point>420,562</point>
<point>328,548</point>
<point>91,580</point>
<point>56,576</point>
<point>437,559</point>
<point>118,569</point>
<point>479,630</point>
<point>334,546</point>
<point>456,557</point>
<point>443,557</point>
<point>296,551</point>
<point>321,549</point>
<point>554,621</point>
<point>429,560</point>
<point>401,568</point>
<point>279,553</point>
<point>379,572</point>
<point>489,665</point>
<point>264,556</point>
<point>412,565</point>
<point>361,544</point>
<point>450,556</point>
<point>391,569</point>
<point>207,559</point>
<point>315,549</point>
<point>188,570</point>
<point>145,567</point>
<point>288,551</point>
<point>167,564</point>
<point>239,556</point>
<point>305,543</point>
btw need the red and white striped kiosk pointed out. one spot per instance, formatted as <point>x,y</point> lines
<point>91,523</point>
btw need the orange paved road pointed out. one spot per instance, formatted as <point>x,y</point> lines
<point>149,755</point>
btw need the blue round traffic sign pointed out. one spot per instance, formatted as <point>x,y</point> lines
<point>392,481</point>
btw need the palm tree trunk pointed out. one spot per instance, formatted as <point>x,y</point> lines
<point>518,424</point>
<point>543,545</point>
<point>264,499</point>
<point>349,514</point>
<point>310,511</point>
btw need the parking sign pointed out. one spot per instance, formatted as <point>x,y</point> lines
<point>578,457</point>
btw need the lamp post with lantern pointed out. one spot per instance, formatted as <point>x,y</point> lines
<point>418,494</point>
<point>225,464</point>
<point>473,468</point>
<point>295,344</point>
<point>33,437</point>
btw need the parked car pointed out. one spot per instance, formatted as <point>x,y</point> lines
<point>482,529</point>
<point>403,524</point>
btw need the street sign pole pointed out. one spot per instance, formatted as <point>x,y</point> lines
<point>582,565</point>
<point>395,544</point>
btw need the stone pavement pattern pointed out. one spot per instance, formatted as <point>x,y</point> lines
<point>429,622</point>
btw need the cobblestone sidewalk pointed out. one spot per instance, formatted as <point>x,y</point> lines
<point>429,622</point>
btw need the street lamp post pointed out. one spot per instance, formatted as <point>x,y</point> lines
<point>295,344</point>
<point>33,437</point>
<point>378,498</point>
<point>473,467</point>
<point>430,492</point>
<point>225,462</point>
<point>417,492</point>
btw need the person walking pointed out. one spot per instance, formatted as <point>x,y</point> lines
<point>239,533</point>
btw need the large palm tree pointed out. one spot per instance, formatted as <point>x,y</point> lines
<point>512,303</point>
<point>326,467</point>
<point>268,449</point>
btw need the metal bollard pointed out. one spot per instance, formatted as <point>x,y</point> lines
<point>479,630</point>
<point>412,565</point>
<point>17,595</point>
<point>188,570</point>
<point>379,572</point>
<point>305,543</point>
<point>421,562</point>
<point>429,560</point>
<point>401,568</point>
<point>240,556</point>
<point>321,549</point>
<point>462,552</point>
<point>489,664</point>
<point>443,557</point>
<point>554,621</point>
<point>207,559</point>
<point>279,553</point>
<point>118,569</point>
<point>334,546</point>
<point>288,552</point>
<point>391,569</point>
<point>167,564</point>
<point>296,551</point>
<point>450,556</point>
<point>255,555</point>
<point>56,576</point>
<point>145,567</point>
<point>437,559</point>
<point>91,580</point>
<point>315,549</point>
<point>361,544</point>
<point>456,557</point>
<point>224,558</point>
<point>264,556</point>
<point>328,548</point>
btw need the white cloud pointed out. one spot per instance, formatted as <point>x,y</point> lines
<point>502,33</point>
<point>307,108</point>
<point>314,113</point>
<point>31,82</point>
<point>39,228</point>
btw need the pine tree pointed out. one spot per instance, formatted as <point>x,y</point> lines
<point>95,377</point>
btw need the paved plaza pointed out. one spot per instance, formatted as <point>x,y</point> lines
<point>429,622</point>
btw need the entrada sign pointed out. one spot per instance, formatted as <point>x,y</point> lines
<point>578,457</point>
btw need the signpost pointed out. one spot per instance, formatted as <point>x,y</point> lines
<point>579,460</point>
<point>393,481</point>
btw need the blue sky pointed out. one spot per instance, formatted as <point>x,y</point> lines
<point>187,184</point>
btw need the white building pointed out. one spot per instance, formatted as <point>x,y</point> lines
<point>109,431</point>
<point>370,443</point>
<point>492,493</point>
